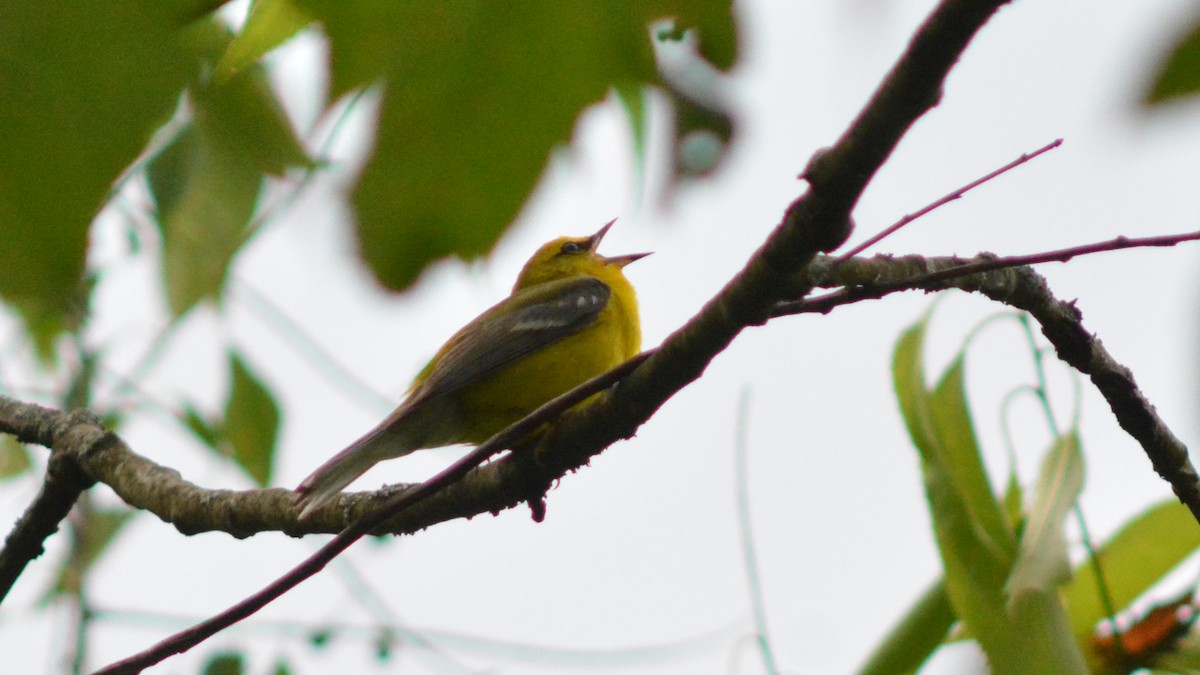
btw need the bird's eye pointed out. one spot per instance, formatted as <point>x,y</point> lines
<point>572,247</point>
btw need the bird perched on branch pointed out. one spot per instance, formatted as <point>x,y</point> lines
<point>572,315</point>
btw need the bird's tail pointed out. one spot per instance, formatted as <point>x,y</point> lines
<point>333,476</point>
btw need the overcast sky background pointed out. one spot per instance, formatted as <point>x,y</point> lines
<point>642,548</point>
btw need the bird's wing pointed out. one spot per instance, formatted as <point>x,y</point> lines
<point>529,320</point>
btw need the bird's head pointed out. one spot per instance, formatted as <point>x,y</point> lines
<point>568,257</point>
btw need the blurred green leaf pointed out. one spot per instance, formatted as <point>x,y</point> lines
<point>1179,73</point>
<point>712,21</point>
<point>269,24</point>
<point>251,422</point>
<point>976,567</point>
<point>205,182</point>
<point>1042,562</point>
<point>959,455</point>
<point>1138,556</point>
<point>226,663</point>
<point>99,530</point>
<point>282,668</point>
<point>203,428</point>
<point>14,457</point>
<point>240,113</point>
<point>635,100</point>
<point>1014,502</point>
<point>939,423</point>
<point>475,96</point>
<point>210,193</point>
<point>976,546</point>
<point>83,85</point>
<point>915,637</point>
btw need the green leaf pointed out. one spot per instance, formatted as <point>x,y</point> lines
<point>713,21</point>
<point>205,196</point>
<point>226,663</point>
<point>269,24</point>
<point>1179,74</point>
<point>98,531</point>
<point>251,422</point>
<point>976,566</point>
<point>960,457</point>
<point>1138,556</point>
<point>635,101</point>
<point>915,637</point>
<point>939,424</point>
<point>43,323</point>
<point>1014,505</point>
<point>202,427</point>
<point>282,668</point>
<point>974,575</point>
<point>84,85</point>
<point>14,458</point>
<point>206,182</point>
<point>1042,562</point>
<point>475,96</point>
<point>976,546</point>
<point>240,113</point>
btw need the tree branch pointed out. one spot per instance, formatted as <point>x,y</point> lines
<point>360,527</point>
<point>65,480</point>
<point>1006,280</point>
<point>504,484</point>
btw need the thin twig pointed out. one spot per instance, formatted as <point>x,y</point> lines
<point>964,268</point>
<point>749,554</point>
<point>957,194</point>
<point>1063,254</point>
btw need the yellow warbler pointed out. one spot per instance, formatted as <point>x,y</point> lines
<point>572,315</point>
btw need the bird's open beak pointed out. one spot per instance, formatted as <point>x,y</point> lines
<point>618,260</point>
<point>594,240</point>
<point>623,260</point>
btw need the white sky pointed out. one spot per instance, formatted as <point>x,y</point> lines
<point>642,548</point>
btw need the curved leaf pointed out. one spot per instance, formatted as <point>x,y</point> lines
<point>976,546</point>
<point>1042,562</point>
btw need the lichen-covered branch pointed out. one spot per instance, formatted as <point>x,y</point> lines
<point>1061,323</point>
